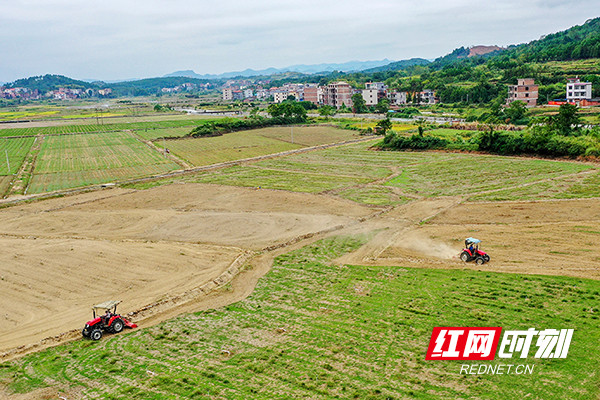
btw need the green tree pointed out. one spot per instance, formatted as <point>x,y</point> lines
<point>359,106</point>
<point>288,110</point>
<point>327,111</point>
<point>254,112</point>
<point>566,122</point>
<point>383,106</point>
<point>383,126</point>
<point>516,112</point>
<point>344,108</point>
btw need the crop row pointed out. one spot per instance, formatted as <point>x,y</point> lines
<point>86,128</point>
<point>13,152</point>
<point>79,160</point>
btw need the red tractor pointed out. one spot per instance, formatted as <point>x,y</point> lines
<point>471,252</point>
<point>110,321</point>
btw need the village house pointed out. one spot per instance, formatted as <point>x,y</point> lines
<point>525,90</point>
<point>577,90</point>
<point>396,98</point>
<point>338,94</point>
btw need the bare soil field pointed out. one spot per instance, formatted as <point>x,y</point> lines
<point>545,237</point>
<point>64,255</point>
<point>151,246</point>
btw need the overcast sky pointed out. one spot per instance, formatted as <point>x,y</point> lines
<point>112,40</point>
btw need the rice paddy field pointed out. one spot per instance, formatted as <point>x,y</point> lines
<point>69,161</point>
<point>92,126</point>
<point>158,133</point>
<point>15,150</point>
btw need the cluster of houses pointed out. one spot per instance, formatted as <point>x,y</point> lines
<point>335,94</point>
<point>19,93</point>
<point>58,94</point>
<point>186,87</point>
<point>577,93</point>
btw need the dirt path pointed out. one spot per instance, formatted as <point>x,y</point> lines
<point>152,146</point>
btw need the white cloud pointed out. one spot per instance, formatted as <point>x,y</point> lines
<point>120,39</point>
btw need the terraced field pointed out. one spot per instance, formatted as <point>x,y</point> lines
<point>341,286</point>
<point>79,160</point>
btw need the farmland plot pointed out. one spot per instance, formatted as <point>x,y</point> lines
<point>16,150</point>
<point>80,160</point>
<point>90,125</point>
<point>253,143</point>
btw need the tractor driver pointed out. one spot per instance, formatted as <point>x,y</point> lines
<point>471,248</point>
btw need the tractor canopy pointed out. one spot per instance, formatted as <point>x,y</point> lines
<point>110,305</point>
<point>471,240</point>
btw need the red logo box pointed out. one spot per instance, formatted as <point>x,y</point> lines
<point>466,343</point>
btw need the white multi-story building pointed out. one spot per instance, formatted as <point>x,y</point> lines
<point>577,90</point>
<point>262,93</point>
<point>248,93</point>
<point>371,96</point>
<point>228,94</point>
<point>379,86</point>
<point>396,98</point>
<point>279,97</point>
<point>428,97</point>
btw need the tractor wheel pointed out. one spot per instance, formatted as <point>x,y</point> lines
<point>96,334</point>
<point>479,261</point>
<point>85,332</point>
<point>117,325</point>
<point>464,256</point>
<point>486,258</point>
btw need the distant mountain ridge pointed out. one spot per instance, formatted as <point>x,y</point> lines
<point>397,65</point>
<point>349,66</point>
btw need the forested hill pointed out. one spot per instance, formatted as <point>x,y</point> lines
<point>50,82</point>
<point>576,43</point>
<point>148,86</point>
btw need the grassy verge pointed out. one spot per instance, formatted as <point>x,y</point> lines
<point>315,329</point>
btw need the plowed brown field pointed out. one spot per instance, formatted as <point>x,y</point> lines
<point>61,256</point>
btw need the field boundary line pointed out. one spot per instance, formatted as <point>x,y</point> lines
<point>163,153</point>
